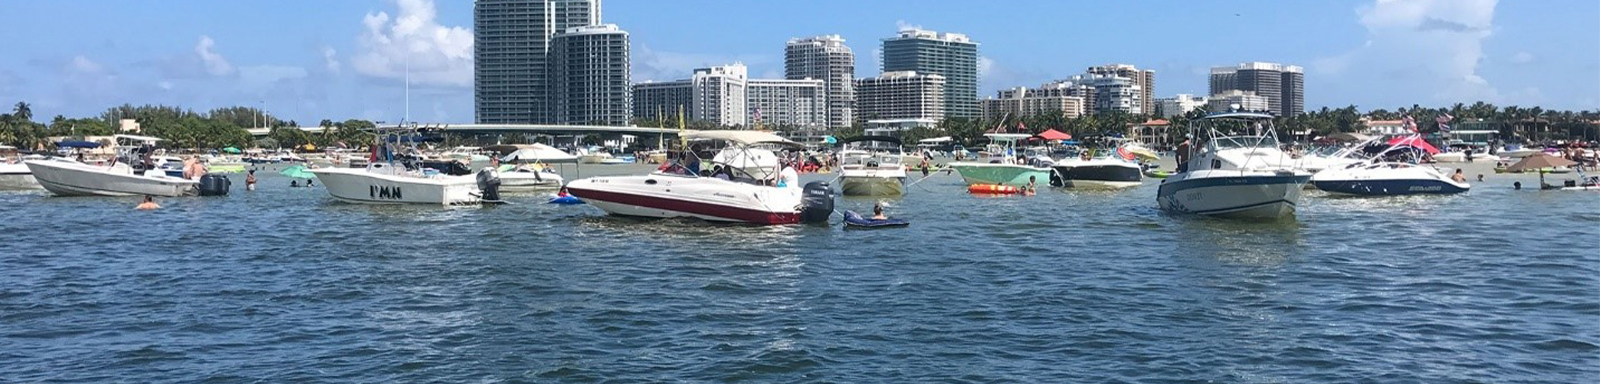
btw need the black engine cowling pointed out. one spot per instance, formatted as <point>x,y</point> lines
<point>489,184</point>
<point>214,185</point>
<point>816,202</point>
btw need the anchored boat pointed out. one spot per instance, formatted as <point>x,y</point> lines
<point>870,166</point>
<point>998,165</point>
<point>396,179</point>
<point>1238,173</point>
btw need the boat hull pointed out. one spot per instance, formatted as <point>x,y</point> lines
<point>1006,174</point>
<point>359,186</point>
<point>1240,197</point>
<point>1096,176</point>
<point>73,179</point>
<point>872,186</point>
<point>1390,187</point>
<point>17,177</point>
<point>526,182</point>
<point>708,199</point>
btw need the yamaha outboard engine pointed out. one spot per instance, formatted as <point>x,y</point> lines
<point>816,202</point>
<point>214,185</point>
<point>489,184</point>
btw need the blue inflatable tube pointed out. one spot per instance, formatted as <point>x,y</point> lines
<point>566,200</point>
<point>854,220</point>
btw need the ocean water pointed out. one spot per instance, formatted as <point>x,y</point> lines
<point>287,285</point>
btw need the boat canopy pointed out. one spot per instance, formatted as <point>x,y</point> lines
<point>936,140</point>
<point>1238,115</point>
<point>739,137</point>
<point>538,152</point>
<point>1007,137</point>
<point>1054,135</point>
<point>857,139</point>
<point>77,144</point>
<point>147,139</point>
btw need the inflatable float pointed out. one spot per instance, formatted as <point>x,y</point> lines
<point>854,220</point>
<point>1156,174</point>
<point>993,189</point>
<point>565,200</point>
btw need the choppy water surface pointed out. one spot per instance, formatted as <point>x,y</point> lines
<point>286,285</point>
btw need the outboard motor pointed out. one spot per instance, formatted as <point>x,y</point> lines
<point>214,185</point>
<point>489,184</point>
<point>816,202</point>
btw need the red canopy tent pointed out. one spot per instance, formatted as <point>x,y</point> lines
<point>1054,135</point>
<point>1416,142</point>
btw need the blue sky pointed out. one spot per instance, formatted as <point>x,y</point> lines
<point>314,59</point>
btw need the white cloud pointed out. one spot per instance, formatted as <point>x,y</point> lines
<point>901,25</point>
<point>1522,58</point>
<point>330,60</point>
<point>985,66</point>
<point>435,54</point>
<point>164,85</point>
<point>1432,46</point>
<point>215,64</point>
<point>82,65</point>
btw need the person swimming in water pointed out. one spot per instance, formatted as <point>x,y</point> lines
<point>149,204</point>
<point>877,212</point>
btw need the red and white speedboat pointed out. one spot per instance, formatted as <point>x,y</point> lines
<point>728,194</point>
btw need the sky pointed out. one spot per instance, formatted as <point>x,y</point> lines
<point>310,60</point>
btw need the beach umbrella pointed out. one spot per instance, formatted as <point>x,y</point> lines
<point>298,172</point>
<point>231,150</point>
<point>1539,161</point>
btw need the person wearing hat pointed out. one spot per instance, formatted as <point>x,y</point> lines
<point>1182,153</point>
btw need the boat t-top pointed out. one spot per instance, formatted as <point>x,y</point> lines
<point>398,178</point>
<point>1238,172</point>
<point>870,166</point>
<point>998,163</point>
<point>715,191</point>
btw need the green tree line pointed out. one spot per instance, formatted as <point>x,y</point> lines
<point>182,128</point>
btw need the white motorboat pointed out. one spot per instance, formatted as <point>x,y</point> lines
<point>731,196</point>
<point>470,155</point>
<point>594,155</point>
<point>16,176</point>
<point>1114,170</point>
<point>397,181</point>
<point>532,171</point>
<point>1520,152</point>
<point>871,170</point>
<point>70,178</point>
<point>1243,175</point>
<point>1464,157</point>
<point>1387,179</point>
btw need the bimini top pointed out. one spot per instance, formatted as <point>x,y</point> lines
<point>537,152</point>
<point>1238,115</point>
<point>857,139</point>
<point>739,137</point>
<point>1007,137</point>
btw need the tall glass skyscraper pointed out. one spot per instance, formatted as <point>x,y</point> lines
<point>950,55</point>
<point>514,81</point>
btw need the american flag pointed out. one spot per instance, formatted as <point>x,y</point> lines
<point>1124,153</point>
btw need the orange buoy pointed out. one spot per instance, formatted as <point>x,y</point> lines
<point>993,189</point>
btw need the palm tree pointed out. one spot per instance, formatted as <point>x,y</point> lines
<point>23,111</point>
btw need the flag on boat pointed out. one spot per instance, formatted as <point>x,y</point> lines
<point>1444,122</point>
<point>1409,124</point>
<point>1022,127</point>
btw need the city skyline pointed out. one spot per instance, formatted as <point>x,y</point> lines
<point>348,59</point>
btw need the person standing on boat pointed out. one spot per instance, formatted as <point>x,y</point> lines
<point>1182,153</point>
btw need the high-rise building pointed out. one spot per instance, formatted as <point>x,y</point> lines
<point>793,103</point>
<point>719,94</point>
<point>1178,105</point>
<point>900,95</point>
<point>1282,85</point>
<point>1144,78</point>
<point>1114,93</point>
<point>1022,102</point>
<point>1236,99</point>
<point>512,81</point>
<point>590,70</point>
<point>828,59</point>
<point>952,56</point>
<point>662,100</point>
<point>575,13</point>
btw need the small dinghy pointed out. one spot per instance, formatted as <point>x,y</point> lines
<point>855,220</point>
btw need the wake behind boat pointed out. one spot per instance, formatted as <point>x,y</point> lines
<point>729,194</point>
<point>1243,175</point>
